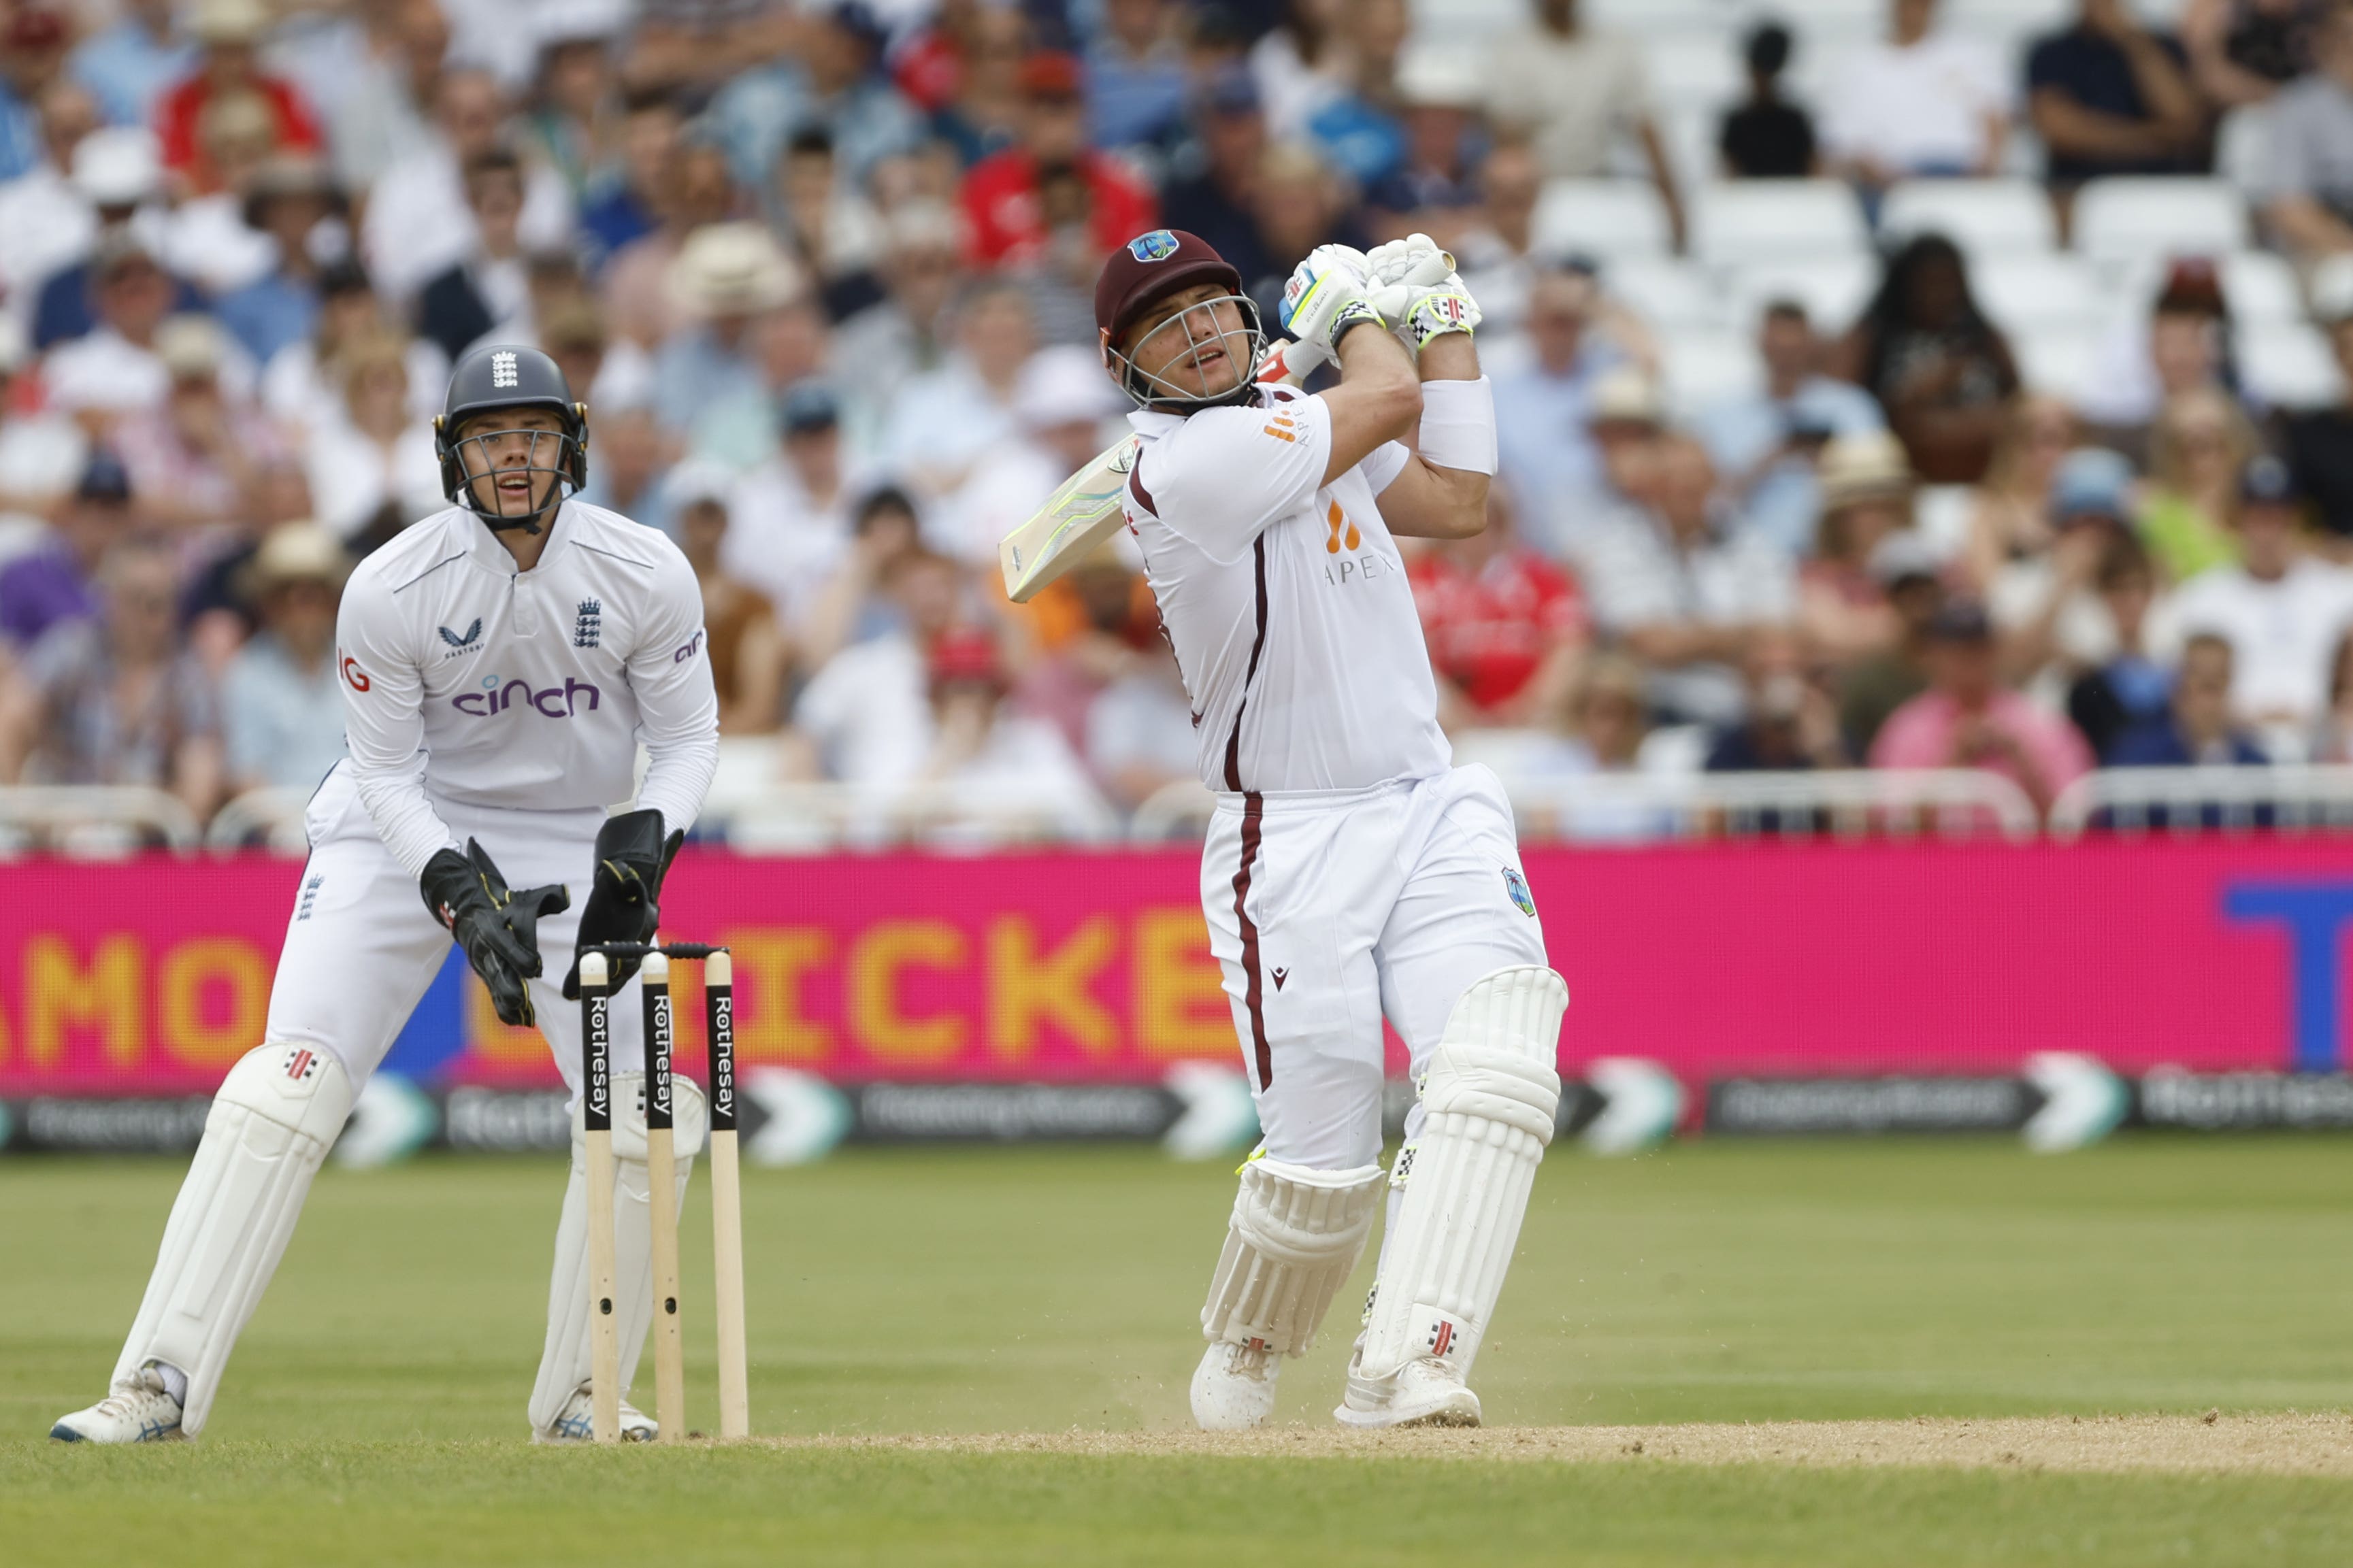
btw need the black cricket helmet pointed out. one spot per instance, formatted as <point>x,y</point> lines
<point>508,375</point>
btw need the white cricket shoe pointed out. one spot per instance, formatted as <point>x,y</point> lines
<point>137,1410</point>
<point>577,1422</point>
<point>1233,1388</point>
<point>1426,1392</point>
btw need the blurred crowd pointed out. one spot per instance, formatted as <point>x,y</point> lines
<point>822,273</point>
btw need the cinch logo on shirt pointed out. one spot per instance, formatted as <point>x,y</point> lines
<point>554,702</point>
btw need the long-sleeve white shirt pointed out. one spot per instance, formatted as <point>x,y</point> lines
<point>467,680</point>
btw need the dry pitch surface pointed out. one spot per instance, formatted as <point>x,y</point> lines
<point>2214,1443</point>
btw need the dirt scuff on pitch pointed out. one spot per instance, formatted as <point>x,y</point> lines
<point>2264,1444</point>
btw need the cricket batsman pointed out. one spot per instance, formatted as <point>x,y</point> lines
<point>501,661</point>
<point>1350,873</point>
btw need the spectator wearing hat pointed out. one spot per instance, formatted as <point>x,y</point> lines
<point>2282,609</point>
<point>728,278</point>
<point>120,183</point>
<point>193,458</point>
<point>828,81</point>
<point>111,699</point>
<point>282,704</point>
<point>1683,592</point>
<point>228,38</point>
<point>32,56</point>
<point>1579,91</point>
<point>133,63</point>
<point>2108,96</point>
<point>1968,719</point>
<point>2131,688</point>
<point>1843,613</point>
<point>2319,441</point>
<point>46,222</point>
<point>2196,729</point>
<point>417,221</point>
<point>1766,137</point>
<point>42,453</point>
<point>2308,187</point>
<point>1503,625</point>
<point>1871,687</point>
<point>1136,76</point>
<point>1434,189</point>
<point>2051,622</point>
<point>1014,199</point>
<point>56,581</point>
<point>749,652</point>
<point>2197,449</point>
<point>292,202</point>
<point>1543,404</point>
<point>788,518</point>
<point>941,423</point>
<point>1214,201</point>
<point>1767,443</point>
<point>1060,401</point>
<point>488,289</point>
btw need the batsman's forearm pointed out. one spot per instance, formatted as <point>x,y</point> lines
<point>1450,356</point>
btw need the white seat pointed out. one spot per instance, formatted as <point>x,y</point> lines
<point>1984,217</point>
<point>2243,146</point>
<point>1671,296</point>
<point>1639,17</point>
<point>1747,221</point>
<point>2057,361</point>
<point>2289,365</point>
<point>1706,368</point>
<point>2122,219</point>
<point>2027,294</point>
<point>2257,285</point>
<point>1607,218</point>
<point>1460,20</point>
<point>1702,71</point>
<point>1833,288</point>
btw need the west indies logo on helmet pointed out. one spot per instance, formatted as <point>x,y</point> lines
<point>1196,335</point>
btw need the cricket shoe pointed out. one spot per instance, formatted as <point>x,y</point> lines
<point>577,1422</point>
<point>1424,1392</point>
<point>1233,1388</point>
<point>137,1410</point>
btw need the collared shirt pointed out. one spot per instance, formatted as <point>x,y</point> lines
<point>284,724</point>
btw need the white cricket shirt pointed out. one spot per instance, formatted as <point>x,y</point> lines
<point>1286,599</point>
<point>467,680</point>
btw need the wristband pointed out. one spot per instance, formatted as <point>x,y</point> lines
<point>1458,424</point>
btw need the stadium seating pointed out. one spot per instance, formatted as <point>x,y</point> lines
<point>1984,217</point>
<point>1776,220</point>
<point>2119,221</point>
<point>1602,218</point>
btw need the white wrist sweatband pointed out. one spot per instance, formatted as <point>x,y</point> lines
<point>1458,424</point>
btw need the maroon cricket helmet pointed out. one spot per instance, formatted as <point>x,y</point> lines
<point>1151,267</point>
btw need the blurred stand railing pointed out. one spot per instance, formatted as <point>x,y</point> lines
<point>1849,804</point>
<point>94,822</point>
<point>267,819</point>
<point>2288,798</point>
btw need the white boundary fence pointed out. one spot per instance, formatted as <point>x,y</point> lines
<point>2205,800</point>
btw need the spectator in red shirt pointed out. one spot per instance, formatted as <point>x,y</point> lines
<point>1503,623</point>
<point>229,31</point>
<point>1016,201</point>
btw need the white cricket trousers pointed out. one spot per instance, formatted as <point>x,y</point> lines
<point>362,948</point>
<point>1330,910</point>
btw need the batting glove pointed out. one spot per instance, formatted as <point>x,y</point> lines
<point>1327,296</point>
<point>1416,289</point>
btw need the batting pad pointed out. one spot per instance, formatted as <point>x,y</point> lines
<point>563,1363</point>
<point>276,1114</point>
<point>1489,1098</point>
<point>1295,1235</point>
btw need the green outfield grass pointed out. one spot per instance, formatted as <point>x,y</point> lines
<point>373,1412</point>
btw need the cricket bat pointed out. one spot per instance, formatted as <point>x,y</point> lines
<point>1079,516</point>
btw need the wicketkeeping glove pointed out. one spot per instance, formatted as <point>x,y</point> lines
<point>498,929</point>
<point>1327,296</point>
<point>625,901</point>
<point>1416,289</point>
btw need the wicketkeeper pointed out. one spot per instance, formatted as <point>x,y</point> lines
<point>1351,872</point>
<point>501,661</point>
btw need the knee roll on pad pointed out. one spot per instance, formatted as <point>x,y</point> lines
<point>1490,1098</point>
<point>275,1117</point>
<point>1295,1237</point>
<point>564,1362</point>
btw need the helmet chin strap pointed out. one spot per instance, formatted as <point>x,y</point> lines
<point>531,522</point>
